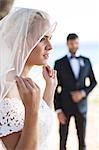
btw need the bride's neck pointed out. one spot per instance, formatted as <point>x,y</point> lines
<point>26,71</point>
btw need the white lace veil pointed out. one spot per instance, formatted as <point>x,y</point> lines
<point>20,32</point>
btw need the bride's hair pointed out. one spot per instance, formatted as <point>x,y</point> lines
<point>5,6</point>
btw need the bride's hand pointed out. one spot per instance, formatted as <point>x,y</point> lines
<point>29,93</point>
<point>50,76</point>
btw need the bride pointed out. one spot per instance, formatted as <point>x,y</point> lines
<point>25,117</point>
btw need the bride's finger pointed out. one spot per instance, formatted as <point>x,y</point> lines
<point>30,81</point>
<point>50,71</point>
<point>20,84</point>
<point>45,70</point>
<point>34,85</point>
<point>28,85</point>
<point>54,73</point>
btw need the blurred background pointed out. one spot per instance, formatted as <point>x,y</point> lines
<point>79,17</point>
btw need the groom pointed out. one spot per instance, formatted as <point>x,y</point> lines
<point>71,93</point>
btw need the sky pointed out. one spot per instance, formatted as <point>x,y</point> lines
<point>79,16</point>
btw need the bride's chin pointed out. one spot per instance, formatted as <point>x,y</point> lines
<point>42,63</point>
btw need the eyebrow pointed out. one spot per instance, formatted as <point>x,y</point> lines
<point>46,36</point>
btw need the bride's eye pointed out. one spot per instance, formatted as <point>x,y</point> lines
<point>43,39</point>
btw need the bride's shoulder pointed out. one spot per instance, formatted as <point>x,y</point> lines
<point>9,99</point>
<point>9,103</point>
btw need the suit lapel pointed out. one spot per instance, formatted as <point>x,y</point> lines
<point>81,70</point>
<point>67,67</point>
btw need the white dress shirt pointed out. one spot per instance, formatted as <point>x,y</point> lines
<point>75,65</point>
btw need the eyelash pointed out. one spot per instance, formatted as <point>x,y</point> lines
<point>43,39</point>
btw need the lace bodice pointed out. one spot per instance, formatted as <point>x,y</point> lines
<point>12,113</point>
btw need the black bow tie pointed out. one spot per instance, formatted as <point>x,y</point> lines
<point>73,56</point>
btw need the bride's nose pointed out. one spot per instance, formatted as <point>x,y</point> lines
<point>48,46</point>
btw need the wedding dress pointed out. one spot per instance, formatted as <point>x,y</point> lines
<point>12,114</point>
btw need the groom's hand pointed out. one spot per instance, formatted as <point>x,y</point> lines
<point>61,117</point>
<point>77,96</point>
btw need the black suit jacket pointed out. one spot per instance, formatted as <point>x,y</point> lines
<point>67,83</point>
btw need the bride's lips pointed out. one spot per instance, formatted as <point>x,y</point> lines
<point>46,56</point>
